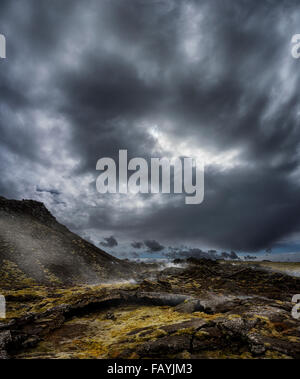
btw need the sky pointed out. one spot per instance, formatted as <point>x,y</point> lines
<point>210,79</point>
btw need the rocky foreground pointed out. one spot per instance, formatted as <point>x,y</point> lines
<point>204,309</point>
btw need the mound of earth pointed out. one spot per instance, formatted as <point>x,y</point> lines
<point>36,249</point>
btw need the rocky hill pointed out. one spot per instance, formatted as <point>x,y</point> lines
<point>36,249</point>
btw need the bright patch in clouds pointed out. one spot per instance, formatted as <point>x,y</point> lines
<point>173,146</point>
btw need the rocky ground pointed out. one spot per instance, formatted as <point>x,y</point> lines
<point>203,309</point>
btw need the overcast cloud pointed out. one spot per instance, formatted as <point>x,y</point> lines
<point>210,79</point>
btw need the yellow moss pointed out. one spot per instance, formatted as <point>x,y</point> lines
<point>264,318</point>
<point>185,331</point>
<point>36,299</point>
<point>276,355</point>
<point>102,338</point>
<point>12,276</point>
<point>51,277</point>
<point>207,317</point>
<point>234,316</point>
<point>185,355</point>
<point>246,355</point>
<point>98,337</point>
<point>225,354</point>
<point>202,334</point>
<point>293,339</point>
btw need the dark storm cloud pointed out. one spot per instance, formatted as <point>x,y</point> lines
<point>109,242</point>
<point>82,81</point>
<point>192,253</point>
<point>137,245</point>
<point>176,253</point>
<point>153,246</point>
<point>231,255</point>
<point>249,257</point>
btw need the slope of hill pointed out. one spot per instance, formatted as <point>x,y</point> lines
<point>36,249</point>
